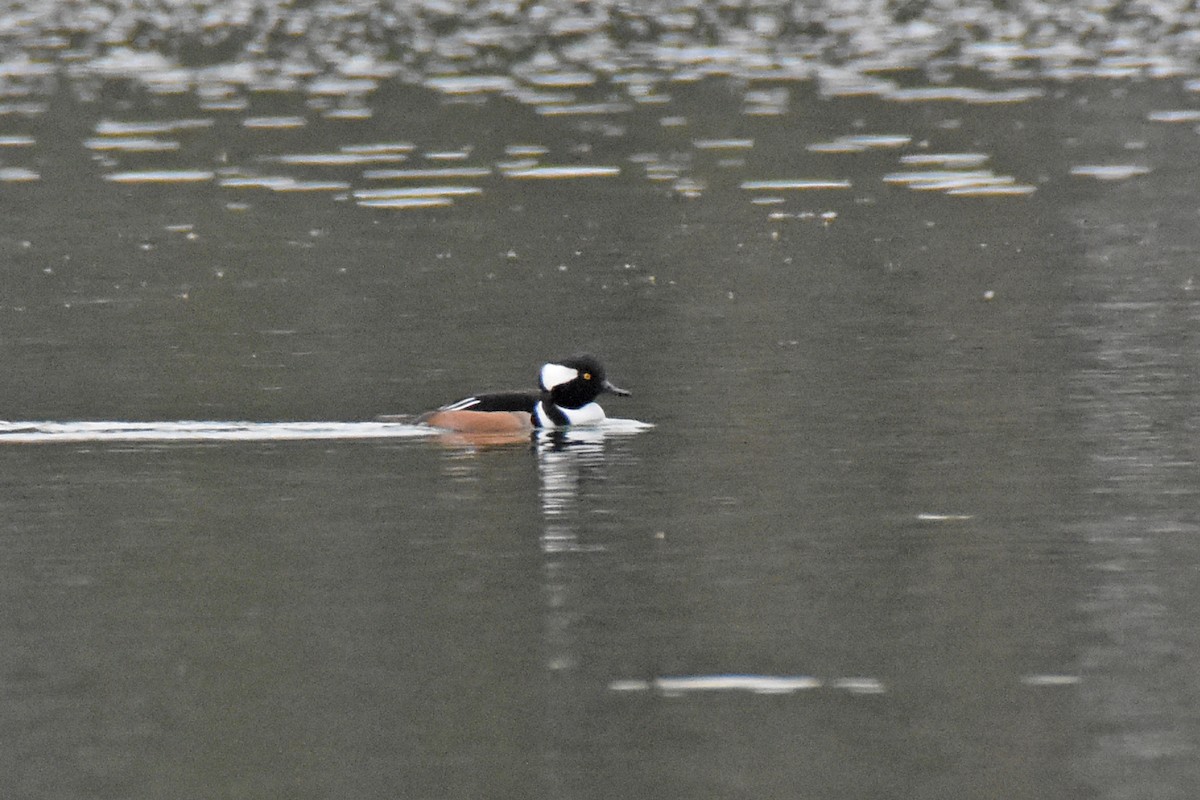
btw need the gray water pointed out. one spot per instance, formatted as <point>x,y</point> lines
<point>916,518</point>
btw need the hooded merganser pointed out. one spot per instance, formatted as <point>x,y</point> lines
<point>569,389</point>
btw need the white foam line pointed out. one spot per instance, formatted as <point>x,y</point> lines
<point>201,431</point>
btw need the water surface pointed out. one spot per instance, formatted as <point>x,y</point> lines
<point>913,324</point>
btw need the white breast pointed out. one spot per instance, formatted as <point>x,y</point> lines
<point>591,414</point>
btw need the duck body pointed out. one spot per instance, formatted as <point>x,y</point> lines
<point>567,396</point>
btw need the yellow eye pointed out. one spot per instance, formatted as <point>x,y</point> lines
<point>587,376</point>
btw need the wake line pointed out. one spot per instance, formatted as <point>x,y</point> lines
<point>223,431</point>
<point>206,431</point>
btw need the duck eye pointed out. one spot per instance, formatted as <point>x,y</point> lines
<point>587,376</point>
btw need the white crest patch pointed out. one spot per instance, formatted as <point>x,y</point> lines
<point>556,375</point>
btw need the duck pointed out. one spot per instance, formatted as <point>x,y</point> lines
<point>566,397</point>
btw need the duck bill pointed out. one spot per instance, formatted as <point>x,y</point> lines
<point>617,390</point>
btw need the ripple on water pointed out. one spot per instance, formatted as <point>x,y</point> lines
<point>584,109</point>
<point>938,177</point>
<point>342,159</point>
<point>224,104</point>
<point>336,86</point>
<point>350,114</point>
<point>679,685</point>
<point>406,203</point>
<point>130,144</point>
<point>469,84</point>
<point>959,160</point>
<point>525,150</point>
<point>417,191</point>
<point>563,172</point>
<point>161,176</point>
<point>311,186</point>
<point>273,123</point>
<point>281,184</point>
<point>1175,115</point>
<point>994,190</point>
<point>960,183</point>
<point>961,94</point>
<point>723,144</point>
<point>794,184</point>
<point>18,175</point>
<point>363,65</point>
<point>855,143</point>
<point>1109,172</point>
<point>560,79</point>
<point>516,164</point>
<point>378,148</point>
<point>109,127</point>
<point>447,155</point>
<point>1051,680</point>
<point>25,109</point>
<point>255,181</point>
<point>426,174</point>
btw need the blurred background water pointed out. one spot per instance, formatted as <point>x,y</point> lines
<point>907,290</point>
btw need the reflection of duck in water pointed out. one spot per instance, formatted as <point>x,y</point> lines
<point>569,389</point>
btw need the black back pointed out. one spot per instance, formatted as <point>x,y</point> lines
<point>499,401</point>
